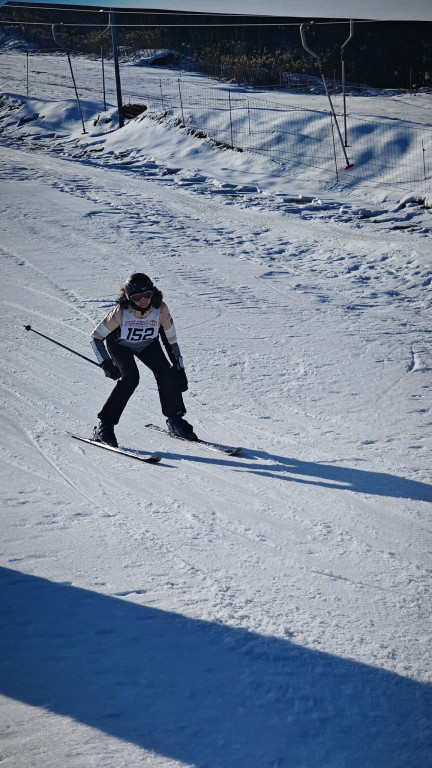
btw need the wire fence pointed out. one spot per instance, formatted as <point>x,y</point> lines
<point>386,151</point>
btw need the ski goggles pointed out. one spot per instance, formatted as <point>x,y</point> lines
<point>142,299</point>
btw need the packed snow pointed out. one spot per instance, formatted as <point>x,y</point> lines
<point>270,610</point>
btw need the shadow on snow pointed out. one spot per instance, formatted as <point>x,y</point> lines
<point>324,475</point>
<point>347,478</point>
<point>201,692</point>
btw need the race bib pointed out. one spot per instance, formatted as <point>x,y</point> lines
<point>139,329</point>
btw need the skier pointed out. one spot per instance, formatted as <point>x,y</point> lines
<point>132,330</point>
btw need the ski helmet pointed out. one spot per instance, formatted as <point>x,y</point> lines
<point>139,291</point>
<point>137,283</point>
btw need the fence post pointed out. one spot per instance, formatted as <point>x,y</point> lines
<point>231,124</point>
<point>103,64</point>
<point>181,101</point>
<point>160,86</point>
<point>334,147</point>
<point>27,74</point>
<point>116,68</point>
<point>103,75</point>
<point>76,91</point>
<point>60,45</point>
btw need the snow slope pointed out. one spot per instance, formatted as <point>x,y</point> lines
<point>388,132</point>
<point>270,610</point>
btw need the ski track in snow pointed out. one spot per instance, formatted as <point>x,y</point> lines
<point>285,592</point>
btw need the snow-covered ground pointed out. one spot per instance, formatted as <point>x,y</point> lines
<point>385,137</point>
<point>266,611</point>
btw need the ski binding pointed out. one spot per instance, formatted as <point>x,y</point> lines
<point>226,449</point>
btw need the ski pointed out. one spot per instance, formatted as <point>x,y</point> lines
<point>153,458</point>
<point>226,449</point>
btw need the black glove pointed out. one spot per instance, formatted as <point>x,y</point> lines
<point>178,370</point>
<point>180,378</point>
<point>110,369</point>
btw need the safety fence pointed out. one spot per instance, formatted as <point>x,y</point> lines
<point>385,151</point>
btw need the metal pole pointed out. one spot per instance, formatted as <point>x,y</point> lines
<point>103,75</point>
<point>116,69</point>
<point>27,74</point>
<point>160,86</point>
<point>76,91</point>
<point>343,76</point>
<point>315,55</point>
<point>181,101</point>
<point>60,45</point>
<point>334,147</point>
<point>231,123</point>
<point>78,354</point>
<point>103,62</point>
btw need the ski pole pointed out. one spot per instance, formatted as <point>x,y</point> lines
<point>78,354</point>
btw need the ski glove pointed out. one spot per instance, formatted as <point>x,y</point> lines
<point>110,369</point>
<point>178,371</point>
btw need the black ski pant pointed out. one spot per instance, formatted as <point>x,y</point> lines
<point>154,358</point>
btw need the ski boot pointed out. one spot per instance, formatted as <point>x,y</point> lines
<point>179,427</point>
<point>104,433</point>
